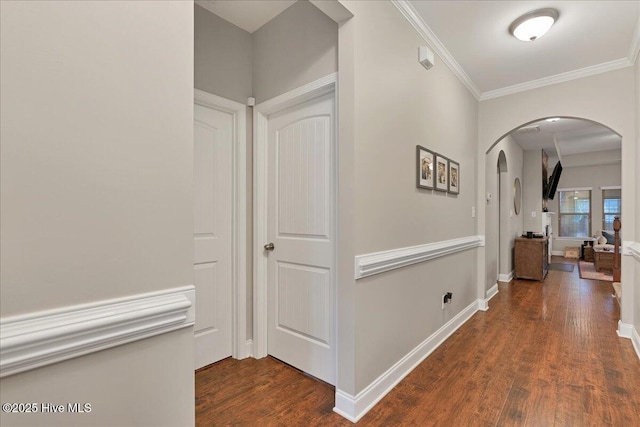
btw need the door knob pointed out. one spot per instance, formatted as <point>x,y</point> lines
<point>269,247</point>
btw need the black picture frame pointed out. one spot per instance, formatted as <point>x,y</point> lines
<point>425,177</point>
<point>441,173</point>
<point>454,177</point>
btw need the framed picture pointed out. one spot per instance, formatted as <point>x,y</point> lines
<point>454,177</point>
<point>442,173</point>
<point>424,170</point>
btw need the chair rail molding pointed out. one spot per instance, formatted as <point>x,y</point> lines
<point>632,248</point>
<point>42,338</point>
<point>379,262</point>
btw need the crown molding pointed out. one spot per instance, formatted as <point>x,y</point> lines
<point>558,78</point>
<point>416,21</point>
<point>411,15</point>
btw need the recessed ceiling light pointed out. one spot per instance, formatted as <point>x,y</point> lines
<point>533,25</point>
<point>553,119</point>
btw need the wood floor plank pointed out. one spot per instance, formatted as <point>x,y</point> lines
<point>544,354</point>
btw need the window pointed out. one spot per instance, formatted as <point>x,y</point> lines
<point>575,213</point>
<point>611,207</point>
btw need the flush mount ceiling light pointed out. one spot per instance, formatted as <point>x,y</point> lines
<point>533,25</point>
<point>553,119</point>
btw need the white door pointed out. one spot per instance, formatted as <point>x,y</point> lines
<point>300,224</point>
<point>212,176</point>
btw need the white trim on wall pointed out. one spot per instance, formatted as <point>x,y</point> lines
<point>633,249</point>
<point>492,292</point>
<point>416,21</point>
<point>261,114</point>
<point>379,262</point>
<point>576,189</point>
<point>42,338</point>
<point>355,407</point>
<point>625,330</point>
<point>483,304</point>
<point>558,78</point>
<point>239,349</point>
<point>611,187</point>
<point>506,277</point>
<point>635,339</point>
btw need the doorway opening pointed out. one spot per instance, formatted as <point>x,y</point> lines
<point>590,156</point>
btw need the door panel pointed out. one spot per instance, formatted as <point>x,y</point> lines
<point>300,224</point>
<point>212,171</point>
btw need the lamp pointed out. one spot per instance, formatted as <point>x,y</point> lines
<point>533,25</point>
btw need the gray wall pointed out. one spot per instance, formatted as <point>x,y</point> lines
<point>223,57</point>
<point>96,163</point>
<point>636,305</point>
<point>532,190</point>
<point>296,47</point>
<point>606,98</point>
<point>398,310</point>
<point>502,229</point>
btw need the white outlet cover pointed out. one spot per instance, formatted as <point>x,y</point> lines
<point>473,211</point>
<point>533,214</point>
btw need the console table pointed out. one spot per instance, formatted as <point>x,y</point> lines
<point>531,258</point>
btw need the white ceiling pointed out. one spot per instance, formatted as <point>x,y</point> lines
<point>567,136</point>
<point>473,37</point>
<point>473,40</point>
<point>246,14</point>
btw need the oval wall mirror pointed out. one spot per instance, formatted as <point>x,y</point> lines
<point>517,195</point>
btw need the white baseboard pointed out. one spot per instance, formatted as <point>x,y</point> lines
<point>492,292</point>
<point>635,339</point>
<point>506,277</point>
<point>249,349</point>
<point>625,330</point>
<point>355,407</point>
<point>483,304</point>
<point>557,253</point>
<point>39,339</point>
<point>245,350</point>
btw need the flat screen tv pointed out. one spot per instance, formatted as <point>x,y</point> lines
<point>553,182</point>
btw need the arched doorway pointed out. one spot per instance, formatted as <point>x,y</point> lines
<point>591,155</point>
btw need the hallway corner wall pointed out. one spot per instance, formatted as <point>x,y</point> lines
<point>513,226</point>
<point>398,105</point>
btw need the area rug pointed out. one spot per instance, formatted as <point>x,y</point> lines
<point>561,267</point>
<point>588,271</point>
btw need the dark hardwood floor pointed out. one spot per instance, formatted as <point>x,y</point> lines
<point>545,354</point>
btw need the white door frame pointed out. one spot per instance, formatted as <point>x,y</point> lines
<point>260,127</point>
<point>240,347</point>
